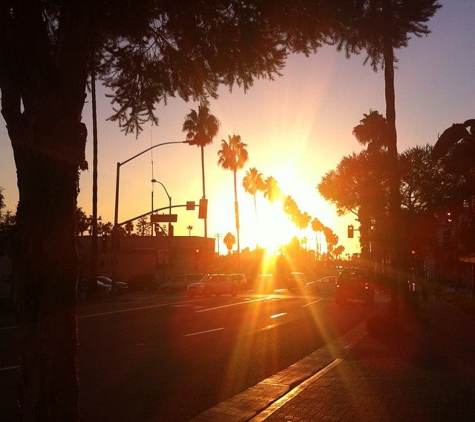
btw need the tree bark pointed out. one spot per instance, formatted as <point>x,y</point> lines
<point>45,269</point>
<point>43,92</point>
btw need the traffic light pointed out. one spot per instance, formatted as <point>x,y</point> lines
<point>203,208</point>
<point>351,230</point>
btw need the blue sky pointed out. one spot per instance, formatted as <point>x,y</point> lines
<point>297,127</point>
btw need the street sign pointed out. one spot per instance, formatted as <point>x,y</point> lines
<point>164,218</point>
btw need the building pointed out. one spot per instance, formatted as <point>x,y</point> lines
<point>160,255</point>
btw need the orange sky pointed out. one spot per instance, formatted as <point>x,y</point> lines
<point>297,128</point>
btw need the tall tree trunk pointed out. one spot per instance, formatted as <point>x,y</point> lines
<point>394,179</point>
<point>396,236</point>
<point>43,92</point>
<point>204,188</point>
<point>236,215</point>
<point>45,269</point>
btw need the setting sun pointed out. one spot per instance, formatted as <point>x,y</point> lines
<point>267,226</point>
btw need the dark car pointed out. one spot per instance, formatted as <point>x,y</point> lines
<point>140,282</point>
<point>180,282</point>
<point>213,284</point>
<point>354,284</point>
<point>120,286</point>
<point>296,280</point>
<point>100,290</point>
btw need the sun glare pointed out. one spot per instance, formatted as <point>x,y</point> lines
<point>272,228</point>
<point>267,226</point>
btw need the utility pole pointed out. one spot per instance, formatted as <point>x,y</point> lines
<point>218,236</point>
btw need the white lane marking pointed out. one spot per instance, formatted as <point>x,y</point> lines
<point>311,303</point>
<point>203,332</point>
<point>8,328</point>
<point>183,304</point>
<point>234,304</point>
<point>9,368</point>
<point>129,310</point>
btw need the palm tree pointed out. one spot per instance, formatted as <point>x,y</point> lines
<point>229,240</point>
<point>201,128</point>
<point>317,226</point>
<point>233,156</point>
<point>271,190</point>
<point>372,131</point>
<point>381,26</point>
<point>189,228</point>
<point>253,182</point>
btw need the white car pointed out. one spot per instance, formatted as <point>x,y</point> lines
<point>213,284</point>
<point>324,285</point>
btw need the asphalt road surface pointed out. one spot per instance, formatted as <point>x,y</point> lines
<point>168,357</point>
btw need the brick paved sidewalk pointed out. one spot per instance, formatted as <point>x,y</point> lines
<point>425,372</point>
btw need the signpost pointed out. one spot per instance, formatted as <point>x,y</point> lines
<point>164,218</point>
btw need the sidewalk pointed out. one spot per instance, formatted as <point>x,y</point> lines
<point>424,371</point>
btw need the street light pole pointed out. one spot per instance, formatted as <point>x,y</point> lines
<point>169,223</point>
<point>117,180</point>
<point>169,201</point>
<point>115,234</point>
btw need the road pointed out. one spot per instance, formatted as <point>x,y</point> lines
<point>169,358</point>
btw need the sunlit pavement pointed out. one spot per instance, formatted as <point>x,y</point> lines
<point>424,372</point>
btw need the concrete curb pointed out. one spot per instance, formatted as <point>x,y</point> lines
<point>251,402</point>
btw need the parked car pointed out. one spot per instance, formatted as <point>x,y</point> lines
<point>140,282</point>
<point>180,282</point>
<point>120,286</point>
<point>213,284</point>
<point>296,280</point>
<point>240,279</point>
<point>264,284</point>
<point>354,284</point>
<point>324,285</point>
<point>100,290</point>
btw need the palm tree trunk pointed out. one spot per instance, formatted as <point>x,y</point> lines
<point>396,237</point>
<point>204,189</point>
<point>236,213</point>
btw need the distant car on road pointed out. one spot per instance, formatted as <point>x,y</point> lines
<point>296,280</point>
<point>180,282</point>
<point>240,279</point>
<point>140,282</point>
<point>213,284</point>
<point>324,285</point>
<point>120,286</point>
<point>354,284</point>
<point>100,290</point>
